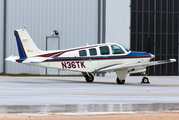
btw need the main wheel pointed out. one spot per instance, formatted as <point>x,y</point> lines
<point>145,80</point>
<point>89,78</point>
<point>120,81</point>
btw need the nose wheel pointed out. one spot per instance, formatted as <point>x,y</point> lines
<point>145,80</point>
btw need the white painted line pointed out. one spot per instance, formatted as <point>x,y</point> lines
<point>96,113</point>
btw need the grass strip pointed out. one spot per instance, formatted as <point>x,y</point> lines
<point>37,75</point>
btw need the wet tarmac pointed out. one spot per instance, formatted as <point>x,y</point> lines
<point>75,90</point>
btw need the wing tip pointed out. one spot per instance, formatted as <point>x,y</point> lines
<point>173,60</point>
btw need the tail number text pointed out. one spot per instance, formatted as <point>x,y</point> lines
<point>77,64</point>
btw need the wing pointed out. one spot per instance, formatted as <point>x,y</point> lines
<point>133,66</point>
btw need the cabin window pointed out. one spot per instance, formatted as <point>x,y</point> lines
<point>116,49</point>
<point>104,50</point>
<point>82,53</point>
<point>93,51</point>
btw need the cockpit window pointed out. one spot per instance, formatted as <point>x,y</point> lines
<point>82,53</point>
<point>116,49</point>
<point>93,51</point>
<point>104,50</point>
<point>125,48</point>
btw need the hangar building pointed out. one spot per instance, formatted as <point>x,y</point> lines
<point>155,28</point>
<point>133,23</point>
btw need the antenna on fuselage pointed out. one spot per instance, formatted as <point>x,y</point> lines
<point>87,44</point>
<point>149,46</point>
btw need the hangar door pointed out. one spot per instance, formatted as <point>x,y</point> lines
<point>52,43</point>
<point>155,28</point>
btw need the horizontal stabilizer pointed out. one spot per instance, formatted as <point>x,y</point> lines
<point>36,59</point>
<point>12,58</point>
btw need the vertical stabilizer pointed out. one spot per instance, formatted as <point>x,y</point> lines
<point>25,44</point>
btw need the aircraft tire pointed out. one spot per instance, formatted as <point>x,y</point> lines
<point>120,81</point>
<point>145,80</point>
<point>89,78</point>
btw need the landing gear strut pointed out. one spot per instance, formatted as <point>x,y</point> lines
<point>145,80</point>
<point>88,77</point>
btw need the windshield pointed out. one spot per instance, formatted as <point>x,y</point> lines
<point>117,50</point>
<point>125,48</point>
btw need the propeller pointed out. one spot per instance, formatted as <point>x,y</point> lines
<point>149,46</point>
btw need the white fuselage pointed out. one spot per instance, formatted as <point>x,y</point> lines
<point>90,63</point>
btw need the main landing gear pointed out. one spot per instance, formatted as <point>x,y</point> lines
<point>120,81</point>
<point>145,80</point>
<point>88,76</point>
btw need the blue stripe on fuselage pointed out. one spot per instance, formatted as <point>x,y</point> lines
<point>21,53</point>
<point>130,55</point>
<point>133,53</point>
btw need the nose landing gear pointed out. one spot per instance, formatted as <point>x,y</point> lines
<point>145,80</point>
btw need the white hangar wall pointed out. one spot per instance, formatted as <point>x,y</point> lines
<point>75,20</point>
<point>118,23</point>
<point>1,35</point>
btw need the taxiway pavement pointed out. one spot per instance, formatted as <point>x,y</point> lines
<point>73,94</point>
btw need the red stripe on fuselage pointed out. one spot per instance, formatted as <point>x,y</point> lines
<point>21,43</point>
<point>19,60</point>
<point>56,54</point>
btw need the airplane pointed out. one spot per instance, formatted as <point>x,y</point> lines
<point>89,60</point>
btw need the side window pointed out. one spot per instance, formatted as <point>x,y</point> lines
<point>116,49</point>
<point>104,50</point>
<point>82,53</point>
<point>93,51</point>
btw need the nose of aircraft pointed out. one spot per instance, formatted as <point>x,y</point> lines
<point>152,56</point>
